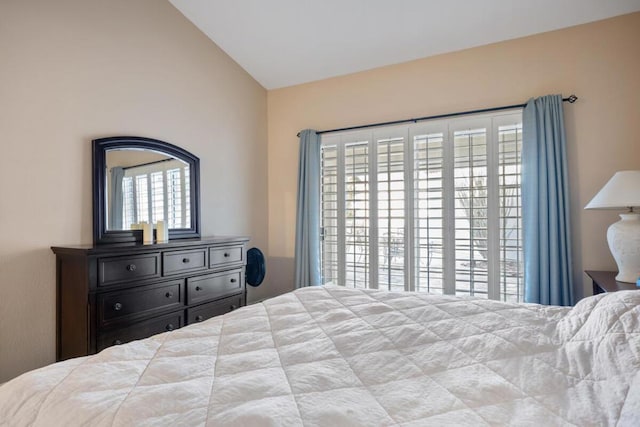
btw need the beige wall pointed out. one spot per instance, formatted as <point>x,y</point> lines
<point>72,71</point>
<point>599,62</point>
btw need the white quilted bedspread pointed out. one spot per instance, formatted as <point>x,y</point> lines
<point>330,356</point>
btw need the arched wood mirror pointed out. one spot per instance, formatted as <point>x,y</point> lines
<point>139,180</point>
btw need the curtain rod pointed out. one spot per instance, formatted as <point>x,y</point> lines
<point>146,164</point>
<point>571,99</point>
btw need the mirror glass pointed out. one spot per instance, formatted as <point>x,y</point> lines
<point>146,186</point>
<point>142,180</point>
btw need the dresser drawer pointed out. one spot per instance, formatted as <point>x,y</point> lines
<point>210,286</point>
<point>135,303</point>
<point>212,309</point>
<point>184,261</point>
<point>226,255</point>
<point>123,269</point>
<point>136,331</point>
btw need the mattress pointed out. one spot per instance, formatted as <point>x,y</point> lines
<point>331,356</point>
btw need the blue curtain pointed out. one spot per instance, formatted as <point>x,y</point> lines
<point>545,204</point>
<point>115,211</point>
<point>308,211</point>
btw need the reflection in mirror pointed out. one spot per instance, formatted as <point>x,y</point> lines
<point>146,186</point>
<point>136,180</point>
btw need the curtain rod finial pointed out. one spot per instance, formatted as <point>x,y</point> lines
<point>572,98</point>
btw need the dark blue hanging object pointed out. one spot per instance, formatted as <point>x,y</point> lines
<point>256,268</point>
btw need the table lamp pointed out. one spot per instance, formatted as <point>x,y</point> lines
<point>622,191</point>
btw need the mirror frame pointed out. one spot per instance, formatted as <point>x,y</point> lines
<point>100,146</point>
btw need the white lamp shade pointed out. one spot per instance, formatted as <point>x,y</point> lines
<point>622,191</point>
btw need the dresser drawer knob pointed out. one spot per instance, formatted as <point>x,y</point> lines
<point>199,318</point>
<point>117,306</point>
<point>233,280</point>
<point>198,288</point>
<point>117,342</point>
<point>170,327</point>
<point>131,267</point>
<point>169,294</point>
<point>185,260</point>
<point>226,255</point>
<point>233,307</point>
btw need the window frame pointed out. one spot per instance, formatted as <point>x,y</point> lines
<point>491,122</point>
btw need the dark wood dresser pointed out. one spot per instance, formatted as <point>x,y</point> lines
<point>111,294</point>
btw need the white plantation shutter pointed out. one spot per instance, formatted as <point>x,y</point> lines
<point>157,196</point>
<point>471,212</point>
<point>510,245</point>
<point>186,180</point>
<point>174,198</point>
<point>329,217</point>
<point>141,188</point>
<point>356,214</point>
<point>428,211</point>
<point>429,207</point>
<point>391,220</point>
<point>129,203</point>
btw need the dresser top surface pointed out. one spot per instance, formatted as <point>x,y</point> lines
<point>139,247</point>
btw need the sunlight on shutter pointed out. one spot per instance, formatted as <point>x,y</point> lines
<point>142,196</point>
<point>511,258</point>
<point>471,212</point>
<point>128,203</point>
<point>356,177</point>
<point>157,196</point>
<point>428,159</point>
<point>329,216</point>
<point>391,214</point>
<point>186,223</point>
<point>174,193</point>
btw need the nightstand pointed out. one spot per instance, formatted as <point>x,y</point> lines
<point>605,281</point>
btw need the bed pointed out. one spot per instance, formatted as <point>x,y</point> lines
<point>331,356</point>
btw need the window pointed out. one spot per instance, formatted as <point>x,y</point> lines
<point>430,207</point>
<point>157,192</point>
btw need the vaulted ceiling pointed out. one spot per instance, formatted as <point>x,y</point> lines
<point>287,42</point>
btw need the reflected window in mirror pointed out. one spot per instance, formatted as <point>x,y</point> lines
<point>144,186</point>
<point>158,195</point>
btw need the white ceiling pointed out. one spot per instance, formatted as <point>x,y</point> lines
<point>287,42</point>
